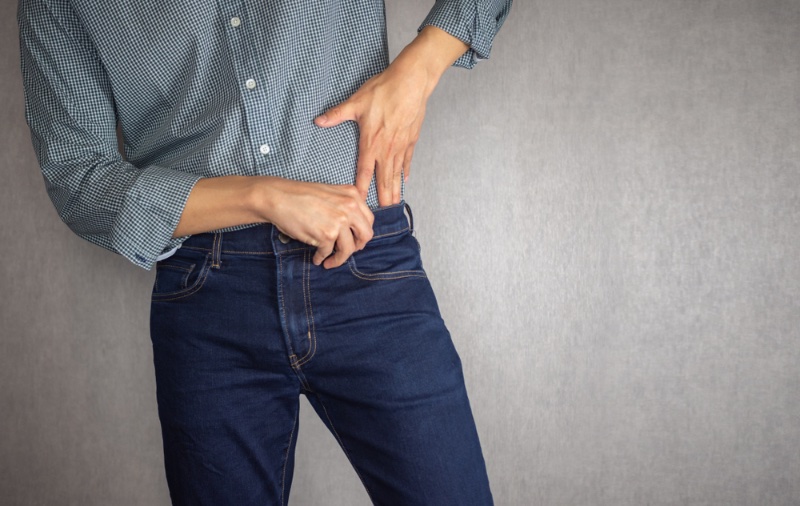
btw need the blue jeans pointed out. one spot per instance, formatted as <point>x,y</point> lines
<point>242,323</point>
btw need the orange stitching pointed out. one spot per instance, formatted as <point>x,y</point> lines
<point>198,248</point>
<point>306,276</point>
<point>283,308</point>
<point>303,381</point>
<point>248,252</point>
<point>312,342</point>
<point>286,458</point>
<point>305,306</point>
<point>311,308</point>
<point>307,247</point>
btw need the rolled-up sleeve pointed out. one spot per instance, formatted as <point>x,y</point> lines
<point>69,107</point>
<point>475,22</point>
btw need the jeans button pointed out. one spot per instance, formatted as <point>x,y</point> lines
<point>284,238</point>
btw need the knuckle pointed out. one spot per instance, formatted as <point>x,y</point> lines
<point>329,235</point>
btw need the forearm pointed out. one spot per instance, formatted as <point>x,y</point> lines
<point>221,202</point>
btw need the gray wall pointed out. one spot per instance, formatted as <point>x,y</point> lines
<point>609,213</point>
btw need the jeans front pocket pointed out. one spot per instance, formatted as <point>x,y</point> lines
<point>181,275</point>
<point>387,258</point>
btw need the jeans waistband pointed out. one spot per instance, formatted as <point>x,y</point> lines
<point>266,238</point>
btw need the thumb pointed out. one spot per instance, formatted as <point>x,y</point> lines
<point>335,115</point>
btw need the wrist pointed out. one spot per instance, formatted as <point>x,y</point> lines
<point>435,50</point>
<point>261,197</point>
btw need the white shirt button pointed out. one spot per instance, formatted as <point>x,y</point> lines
<point>235,22</point>
<point>264,149</point>
<point>250,83</point>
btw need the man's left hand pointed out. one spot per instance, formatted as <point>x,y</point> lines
<point>389,109</point>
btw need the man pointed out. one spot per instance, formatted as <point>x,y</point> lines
<point>266,149</point>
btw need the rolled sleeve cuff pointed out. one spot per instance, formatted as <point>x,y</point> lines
<point>150,215</point>
<point>465,21</point>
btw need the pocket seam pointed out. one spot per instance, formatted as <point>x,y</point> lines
<point>189,290</point>
<point>387,275</point>
<point>175,266</point>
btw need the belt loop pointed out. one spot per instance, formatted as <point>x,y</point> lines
<point>410,216</point>
<point>216,252</point>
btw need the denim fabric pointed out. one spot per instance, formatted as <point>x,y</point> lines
<point>242,323</point>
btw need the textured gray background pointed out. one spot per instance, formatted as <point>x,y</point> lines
<point>608,210</point>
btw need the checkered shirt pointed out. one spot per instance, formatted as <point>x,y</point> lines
<point>200,89</point>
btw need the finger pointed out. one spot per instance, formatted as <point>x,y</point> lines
<point>359,216</point>
<point>344,248</point>
<point>407,161</point>
<point>398,176</point>
<point>302,237</point>
<point>365,167</point>
<point>324,250</point>
<point>335,115</point>
<point>361,228</point>
<point>384,175</point>
<point>366,212</point>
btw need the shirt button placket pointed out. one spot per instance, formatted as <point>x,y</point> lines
<point>264,148</point>
<point>250,83</point>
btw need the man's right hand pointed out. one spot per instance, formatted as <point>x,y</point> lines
<point>333,218</point>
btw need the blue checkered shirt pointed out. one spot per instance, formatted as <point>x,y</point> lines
<point>200,89</point>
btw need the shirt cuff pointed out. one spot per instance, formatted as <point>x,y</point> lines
<point>148,218</point>
<point>466,21</point>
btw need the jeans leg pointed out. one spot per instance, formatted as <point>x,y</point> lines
<point>228,400</point>
<point>236,339</point>
<point>387,381</point>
